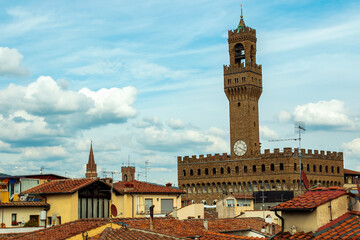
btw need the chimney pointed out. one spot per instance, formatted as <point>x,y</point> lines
<point>152,218</point>
<point>168,184</point>
<point>206,224</point>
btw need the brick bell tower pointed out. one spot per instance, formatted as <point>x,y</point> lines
<point>91,165</point>
<point>243,87</point>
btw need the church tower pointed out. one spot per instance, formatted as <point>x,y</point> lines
<point>91,165</point>
<point>243,87</point>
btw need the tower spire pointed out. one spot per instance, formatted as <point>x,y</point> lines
<point>241,25</point>
<point>91,165</point>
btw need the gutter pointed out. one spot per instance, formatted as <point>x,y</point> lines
<point>282,225</point>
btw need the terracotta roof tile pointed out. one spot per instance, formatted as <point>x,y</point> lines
<point>129,234</point>
<point>221,236</point>
<point>242,196</point>
<point>346,226</point>
<point>63,231</point>
<point>311,199</point>
<point>24,204</point>
<point>351,172</point>
<point>62,186</point>
<point>135,186</point>
<point>299,235</point>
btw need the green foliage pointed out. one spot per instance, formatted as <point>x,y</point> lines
<point>31,223</point>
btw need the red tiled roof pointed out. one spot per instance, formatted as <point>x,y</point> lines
<point>346,226</point>
<point>135,186</point>
<point>241,196</point>
<point>299,235</point>
<point>351,172</point>
<point>62,186</point>
<point>129,234</point>
<point>311,199</point>
<point>63,231</point>
<point>24,204</point>
<point>221,236</point>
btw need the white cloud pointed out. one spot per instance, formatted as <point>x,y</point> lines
<point>113,101</point>
<point>41,153</point>
<point>175,123</point>
<point>10,62</point>
<point>148,122</point>
<point>43,108</point>
<point>98,68</point>
<point>352,148</point>
<point>323,114</point>
<point>268,133</point>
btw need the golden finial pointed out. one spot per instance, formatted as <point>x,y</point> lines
<point>241,11</point>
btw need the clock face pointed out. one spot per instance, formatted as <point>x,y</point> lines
<point>240,148</point>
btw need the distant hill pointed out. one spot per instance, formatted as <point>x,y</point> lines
<point>4,175</point>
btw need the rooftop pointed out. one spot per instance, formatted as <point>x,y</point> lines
<point>62,186</point>
<point>311,199</point>
<point>135,186</point>
<point>24,204</point>
<point>351,172</point>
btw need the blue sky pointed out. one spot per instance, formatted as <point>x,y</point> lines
<point>143,80</point>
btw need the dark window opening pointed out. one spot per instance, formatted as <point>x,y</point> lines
<point>184,173</point>
<point>314,168</point>
<point>229,81</point>
<point>236,80</point>
<point>263,167</point>
<point>191,172</point>
<point>272,166</point>
<point>254,168</point>
<point>214,171</point>
<point>281,166</point>
<point>239,53</point>
<point>228,170</point>
<point>238,104</point>
<point>222,170</point>
<point>295,167</point>
<point>237,169</point>
<point>206,171</point>
<point>245,169</point>
<point>198,171</point>
<point>338,169</point>
<point>308,167</point>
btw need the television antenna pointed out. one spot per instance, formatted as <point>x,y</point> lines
<point>111,191</point>
<point>299,128</point>
<point>146,169</point>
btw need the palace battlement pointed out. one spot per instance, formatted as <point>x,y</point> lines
<point>286,152</point>
<point>309,153</point>
<point>202,158</point>
<point>241,67</point>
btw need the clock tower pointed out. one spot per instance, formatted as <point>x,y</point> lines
<point>243,87</point>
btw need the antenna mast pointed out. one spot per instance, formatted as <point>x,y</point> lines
<point>299,126</point>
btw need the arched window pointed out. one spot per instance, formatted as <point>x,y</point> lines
<point>125,177</point>
<point>214,171</point>
<point>263,167</point>
<point>281,166</point>
<point>272,167</point>
<point>326,169</point>
<point>314,168</point>
<point>191,172</point>
<point>199,171</point>
<point>320,168</point>
<point>332,169</point>
<point>184,173</point>
<point>237,169</point>
<point>206,171</point>
<point>338,169</point>
<point>228,170</point>
<point>245,169</point>
<point>222,170</point>
<point>295,167</point>
<point>308,167</point>
<point>239,53</point>
<point>254,168</point>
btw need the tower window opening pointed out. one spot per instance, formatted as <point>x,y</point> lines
<point>253,108</point>
<point>254,124</point>
<point>243,79</point>
<point>238,104</point>
<point>184,173</point>
<point>320,168</point>
<point>237,169</point>
<point>308,167</point>
<point>338,169</point>
<point>281,166</point>
<point>191,172</point>
<point>245,169</point>
<point>214,171</point>
<point>236,80</point>
<point>228,170</point>
<point>239,53</point>
<point>199,171</point>
<point>314,168</point>
<point>272,167</point>
<point>332,169</point>
<point>263,167</point>
<point>229,81</point>
<point>206,171</point>
<point>222,170</point>
<point>295,167</point>
<point>254,168</point>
